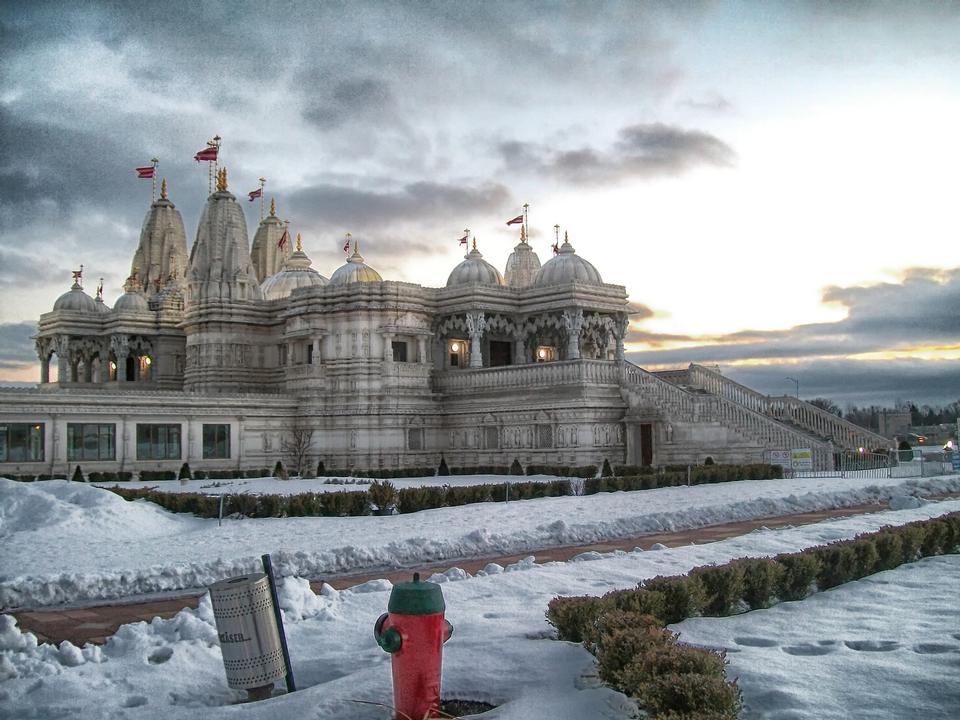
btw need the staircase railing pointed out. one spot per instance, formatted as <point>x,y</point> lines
<point>842,433</point>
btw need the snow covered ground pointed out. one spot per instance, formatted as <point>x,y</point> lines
<point>501,652</point>
<point>72,542</point>
<point>887,646</point>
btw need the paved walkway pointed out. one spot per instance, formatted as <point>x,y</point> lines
<point>96,624</point>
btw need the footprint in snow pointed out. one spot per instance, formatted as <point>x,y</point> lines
<point>134,701</point>
<point>934,648</point>
<point>872,645</point>
<point>755,642</point>
<point>493,616</point>
<point>807,649</point>
<point>160,655</point>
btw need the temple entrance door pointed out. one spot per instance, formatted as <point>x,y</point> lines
<point>499,353</point>
<point>646,444</point>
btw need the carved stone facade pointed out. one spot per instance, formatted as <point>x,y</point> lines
<point>386,374</point>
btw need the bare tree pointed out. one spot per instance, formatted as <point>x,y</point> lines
<point>296,447</point>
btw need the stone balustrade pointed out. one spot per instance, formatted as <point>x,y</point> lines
<point>789,410</point>
<point>601,372</point>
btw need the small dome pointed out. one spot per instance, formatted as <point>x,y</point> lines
<point>296,273</point>
<point>355,271</point>
<point>102,307</point>
<point>132,301</point>
<point>76,300</point>
<point>474,270</point>
<point>567,266</point>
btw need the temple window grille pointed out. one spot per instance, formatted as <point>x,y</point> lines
<point>21,442</point>
<point>91,441</point>
<point>216,442</point>
<point>158,442</point>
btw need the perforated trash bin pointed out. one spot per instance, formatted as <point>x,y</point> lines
<point>247,627</point>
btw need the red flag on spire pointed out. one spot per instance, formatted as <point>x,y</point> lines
<point>146,173</point>
<point>283,239</point>
<point>516,221</point>
<point>254,194</point>
<point>208,153</point>
<point>556,248</point>
<point>346,245</point>
<point>463,240</point>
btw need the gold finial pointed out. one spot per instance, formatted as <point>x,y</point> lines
<point>273,207</point>
<point>474,243</point>
<point>222,180</point>
<point>523,234</point>
<point>299,244</point>
<point>163,189</point>
<point>566,237</point>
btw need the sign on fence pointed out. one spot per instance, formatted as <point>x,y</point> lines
<point>801,459</point>
<point>779,457</point>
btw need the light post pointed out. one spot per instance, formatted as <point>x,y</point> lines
<point>794,380</point>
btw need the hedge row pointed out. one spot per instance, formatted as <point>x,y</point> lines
<point>344,503</point>
<point>699,475</point>
<point>623,628</point>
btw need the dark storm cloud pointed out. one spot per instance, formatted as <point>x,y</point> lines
<point>16,347</point>
<point>419,201</point>
<point>920,311</point>
<point>361,99</point>
<point>646,150</point>
<point>19,270</point>
<point>849,382</point>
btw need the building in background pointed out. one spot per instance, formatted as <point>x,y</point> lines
<point>229,355</point>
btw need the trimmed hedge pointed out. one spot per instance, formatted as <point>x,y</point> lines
<point>585,471</point>
<point>623,628</point>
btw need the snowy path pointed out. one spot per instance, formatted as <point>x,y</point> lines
<point>172,670</point>
<point>68,542</point>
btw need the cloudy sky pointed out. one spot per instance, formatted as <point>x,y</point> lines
<point>775,184</point>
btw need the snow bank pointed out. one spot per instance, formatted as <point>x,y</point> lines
<point>88,556</point>
<point>501,652</point>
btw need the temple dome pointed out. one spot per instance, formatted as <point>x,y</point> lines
<point>296,273</point>
<point>567,266</point>
<point>132,301</point>
<point>474,270</point>
<point>102,307</point>
<point>76,300</point>
<point>355,271</point>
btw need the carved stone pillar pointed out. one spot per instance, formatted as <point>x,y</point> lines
<point>476,324</point>
<point>388,347</point>
<point>422,351</point>
<point>62,347</point>
<point>622,324</point>
<point>317,342</point>
<point>121,349</point>
<point>573,322</point>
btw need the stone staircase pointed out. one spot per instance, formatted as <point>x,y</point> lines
<point>688,401</point>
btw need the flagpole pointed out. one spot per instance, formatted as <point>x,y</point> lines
<point>263,181</point>
<point>153,189</point>
<point>526,226</point>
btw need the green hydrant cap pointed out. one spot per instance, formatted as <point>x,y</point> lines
<point>416,598</point>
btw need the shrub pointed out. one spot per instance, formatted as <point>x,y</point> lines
<point>515,467</point>
<point>708,461</point>
<point>837,565</point>
<point>683,596</point>
<point>572,616</point>
<point>722,588</point>
<point>889,544</point>
<point>77,474</point>
<point>443,470</point>
<point>688,695</point>
<point>800,570</point>
<point>935,538</point>
<point>606,471</point>
<point>761,580</point>
<point>911,537</point>
<point>383,495</point>
<point>185,473</point>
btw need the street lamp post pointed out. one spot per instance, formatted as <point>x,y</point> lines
<point>797,382</point>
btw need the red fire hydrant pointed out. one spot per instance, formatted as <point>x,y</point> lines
<point>414,631</point>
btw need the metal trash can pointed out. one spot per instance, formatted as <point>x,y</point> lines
<point>247,628</point>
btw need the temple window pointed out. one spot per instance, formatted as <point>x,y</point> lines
<point>500,353</point>
<point>415,438</point>
<point>546,353</point>
<point>399,350</point>
<point>216,442</point>
<point>91,441</point>
<point>145,365</point>
<point>457,352</point>
<point>21,442</point>
<point>158,442</point>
